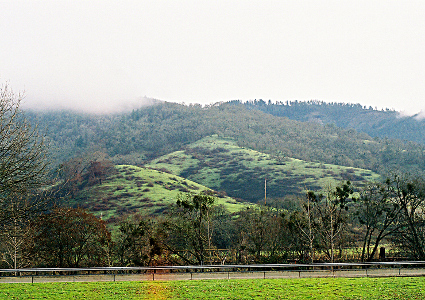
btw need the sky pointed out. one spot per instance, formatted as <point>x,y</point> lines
<point>102,56</point>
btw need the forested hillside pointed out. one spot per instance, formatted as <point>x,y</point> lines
<point>376,123</point>
<point>149,132</point>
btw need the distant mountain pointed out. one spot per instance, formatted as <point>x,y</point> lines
<point>376,123</point>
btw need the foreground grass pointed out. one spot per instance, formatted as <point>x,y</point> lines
<point>311,288</point>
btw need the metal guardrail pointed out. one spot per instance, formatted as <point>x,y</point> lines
<point>375,269</point>
<point>211,267</point>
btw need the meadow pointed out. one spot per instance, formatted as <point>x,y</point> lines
<point>307,288</point>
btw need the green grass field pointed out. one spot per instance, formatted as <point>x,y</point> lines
<point>311,288</point>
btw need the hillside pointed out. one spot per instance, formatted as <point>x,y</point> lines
<point>150,132</point>
<point>376,123</point>
<point>222,165</point>
<point>134,189</point>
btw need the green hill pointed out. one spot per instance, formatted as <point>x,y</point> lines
<point>135,189</point>
<point>211,163</point>
<point>149,132</point>
<point>222,165</point>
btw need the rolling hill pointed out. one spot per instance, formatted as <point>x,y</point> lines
<point>222,165</point>
<point>135,189</point>
<point>231,147</point>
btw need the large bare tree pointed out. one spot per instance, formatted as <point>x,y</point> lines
<point>23,169</point>
<point>22,149</point>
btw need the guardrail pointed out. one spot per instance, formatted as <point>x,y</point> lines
<point>371,269</point>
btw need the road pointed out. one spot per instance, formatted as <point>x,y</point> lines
<point>375,272</point>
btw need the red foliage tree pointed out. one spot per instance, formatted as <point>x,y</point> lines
<point>68,237</point>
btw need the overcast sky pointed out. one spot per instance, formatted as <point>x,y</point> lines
<point>101,55</point>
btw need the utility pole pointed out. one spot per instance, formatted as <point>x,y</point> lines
<point>265,191</point>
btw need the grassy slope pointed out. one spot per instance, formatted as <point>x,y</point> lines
<point>311,288</point>
<point>223,166</point>
<point>134,189</point>
<point>211,163</point>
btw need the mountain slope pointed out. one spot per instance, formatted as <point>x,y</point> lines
<point>240,172</point>
<point>134,189</point>
<point>376,123</point>
<point>157,130</point>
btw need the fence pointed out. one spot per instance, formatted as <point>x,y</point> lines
<point>372,269</point>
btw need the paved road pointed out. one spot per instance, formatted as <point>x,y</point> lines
<point>379,272</point>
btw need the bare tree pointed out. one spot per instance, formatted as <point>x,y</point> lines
<point>410,196</point>
<point>14,235</point>
<point>379,214</point>
<point>331,216</point>
<point>306,223</point>
<point>23,171</point>
<point>22,149</point>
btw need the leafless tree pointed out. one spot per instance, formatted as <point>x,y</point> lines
<point>331,216</point>
<point>22,149</point>
<point>23,170</point>
<point>379,215</point>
